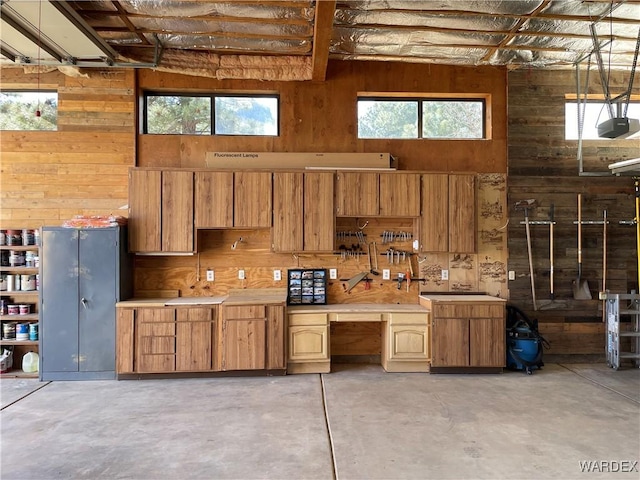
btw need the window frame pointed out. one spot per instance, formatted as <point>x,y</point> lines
<point>484,99</point>
<point>600,101</point>
<point>144,118</point>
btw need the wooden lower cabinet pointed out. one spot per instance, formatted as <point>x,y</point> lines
<point>468,335</point>
<point>308,343</point>
<point>164,340</point>
<point>405,342</point>
<point>252,337</point>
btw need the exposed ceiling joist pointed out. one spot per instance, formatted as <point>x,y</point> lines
<point>325,11</point>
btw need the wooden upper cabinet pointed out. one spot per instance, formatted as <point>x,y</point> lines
<point>435,213</point>
<point>145,190</point>
<point>462,213</point>
<point>160,211</point>
<point>399,195</point>
<point>252,199</point>
<point>214,199</point>
<point>288,220</point>
<point>177,211</point>
<point>319,220</point>
<point>357,194</point>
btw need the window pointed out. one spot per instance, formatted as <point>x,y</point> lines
<point>210,114</point>
<point>18,110</point>
<point>594,113</point>
<point>428,118</point>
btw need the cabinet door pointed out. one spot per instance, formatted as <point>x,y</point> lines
<point>308,343</point>
<point>276,346</point>
<point>450,347</point>
<point>177,211</point>
<point>97,253</point>
<point>155,340</point>
<point>319,219</point>
<point>357,194</point>
<point>145,189</point>
<point>487,347</point>
<point>400,194</point>
<point>244,331</point>
<point>462,214</point>
<point>214,199</point>
<point>287,233</point>
<point>60,309</point>
<point>435,213</point>
<point>125,340</point>
<point>252,199</point>
<point>195,339</point>
<point>408,342</point>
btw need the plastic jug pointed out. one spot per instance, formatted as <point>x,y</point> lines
<point>30,362</point>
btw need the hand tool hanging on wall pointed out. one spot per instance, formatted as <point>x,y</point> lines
<point>526,205</point>
<point>353,281</point>
<point>580,286</point>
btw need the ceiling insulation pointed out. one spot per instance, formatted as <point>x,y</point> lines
<point>292,40</point>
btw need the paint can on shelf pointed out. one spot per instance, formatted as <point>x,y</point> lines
<point>3,307</point>
<point>28,237</point>
<point>16,258</point>
<point>13,238</point>
<point>9,331</point>
<point>33,331</point>
<point>22,331</point>
<point>36,236</point>
<point>3,237</point>
<point>3,282</point>
<point>11,282</point>
<point>24,309</point>
<point>30,259</point>
<point>13,310</point>
<point>27,282</point>
<point>4,258</point>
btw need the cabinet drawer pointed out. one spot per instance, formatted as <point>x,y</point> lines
<point>358,317</point>
<point>469,311</point>
<point>308,319</point>
<point>408,318</point>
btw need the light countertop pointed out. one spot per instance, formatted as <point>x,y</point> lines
<point>358,308</point>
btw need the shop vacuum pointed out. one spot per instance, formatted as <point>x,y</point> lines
<point>525,345</point>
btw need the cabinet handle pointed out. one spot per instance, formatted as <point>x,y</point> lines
<point>84,302</point>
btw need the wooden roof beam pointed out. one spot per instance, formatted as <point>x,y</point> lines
<point>322,30</point>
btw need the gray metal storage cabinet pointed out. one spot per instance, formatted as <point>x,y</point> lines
<point>83,273</point>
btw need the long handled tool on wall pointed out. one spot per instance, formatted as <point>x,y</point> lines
<point>580,285</point>
<point>552,302</point>
<point>526,205</point>
<point>604,263</point>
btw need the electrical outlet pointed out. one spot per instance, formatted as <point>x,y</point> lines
<point>333,273</point>
<point>386,274</point>
<point>240,274</point>
<point>416,245</point>
<point>277,275</point>
<point>445,274</point>
<point>512,274</point>
<point>210,275</point>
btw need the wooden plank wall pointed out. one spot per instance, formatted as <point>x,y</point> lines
<point>544,166</point>
<point>48,177</point>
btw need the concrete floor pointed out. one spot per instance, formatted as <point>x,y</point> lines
<point>377,426</point>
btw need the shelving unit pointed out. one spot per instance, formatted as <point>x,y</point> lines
<point>30,297</point>
<point>617,306</point>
